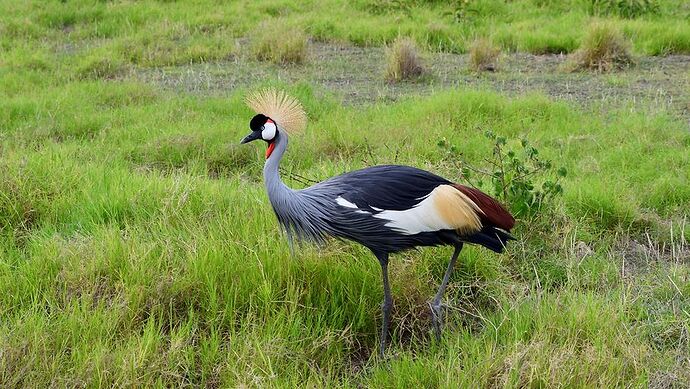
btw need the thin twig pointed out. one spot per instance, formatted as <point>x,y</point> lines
<point>503,173</point>
<point>301,179</point>
<point>477,170</point>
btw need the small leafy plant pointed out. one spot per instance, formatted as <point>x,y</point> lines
<point>463,11</point>
<point>517,175</point>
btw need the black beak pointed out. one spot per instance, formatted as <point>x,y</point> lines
<point>253,136</point>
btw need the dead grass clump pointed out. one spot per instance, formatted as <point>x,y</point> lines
<point>603,49</point>
<point>280,44</point>
<point>484,55</point>
<point>404,60</point>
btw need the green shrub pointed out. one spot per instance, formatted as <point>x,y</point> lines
<point>517,175</point>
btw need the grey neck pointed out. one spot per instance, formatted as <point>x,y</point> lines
<point>274,185</point>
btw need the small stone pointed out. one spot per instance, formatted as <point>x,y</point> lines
<point>583,250</point>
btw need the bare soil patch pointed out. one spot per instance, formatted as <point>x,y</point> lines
<point>357,75</point>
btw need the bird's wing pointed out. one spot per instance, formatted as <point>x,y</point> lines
<point>388,187</point>
<point>409,200</point>
<point>445,208</point>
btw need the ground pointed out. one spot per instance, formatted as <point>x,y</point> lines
<point>138,248</point>
<point>355,75</point>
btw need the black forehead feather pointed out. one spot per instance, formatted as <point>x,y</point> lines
<point>257,121</point>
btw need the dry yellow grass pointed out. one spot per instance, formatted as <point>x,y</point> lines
<point>403,60</point>
<point>484,55</point>
<point>603,49</point>
<point>278,43</point>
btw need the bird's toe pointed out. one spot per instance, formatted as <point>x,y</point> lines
<point>436,317</point>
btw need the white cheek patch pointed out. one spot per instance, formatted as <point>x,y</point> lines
<point>269,131</point>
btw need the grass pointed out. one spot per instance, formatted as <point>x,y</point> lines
<point>163,33</point>
<point>483,56</point>
<point>603,49</point>
<point>126,248</point>
<point>137,246</point>
<point>629,9</point>
<point>403,61</point>
<point>277,43</point>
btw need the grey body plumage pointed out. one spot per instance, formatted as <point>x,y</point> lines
<point>313,213</point>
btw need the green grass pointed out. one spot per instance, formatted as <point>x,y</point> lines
<point>129,257</point>
<point>137,246</point>
<point>153,33</point>
<point>277,43</point>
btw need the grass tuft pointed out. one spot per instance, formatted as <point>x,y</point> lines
<point>280,44</point>
<point>603,49</point>
<point>403,60</point>
<point>100,68</point>
<point>484,55</point>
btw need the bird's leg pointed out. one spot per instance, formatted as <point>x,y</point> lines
<point>436,313</point>
<point>387,302</point>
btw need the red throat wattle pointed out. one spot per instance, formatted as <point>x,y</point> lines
<point>270,148</point>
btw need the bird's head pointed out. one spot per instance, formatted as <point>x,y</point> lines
<point>264,128</point>
<point>273,106</point>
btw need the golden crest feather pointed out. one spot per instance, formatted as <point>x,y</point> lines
<point>285,110</point>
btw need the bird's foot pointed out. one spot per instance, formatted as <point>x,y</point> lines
<point>436,317</point>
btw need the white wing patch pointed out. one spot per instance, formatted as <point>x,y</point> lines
<point>345,203</point>
<point>420,218</point>
<point>446,208</point>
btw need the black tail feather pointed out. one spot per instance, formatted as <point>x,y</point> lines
<point>492,238</point>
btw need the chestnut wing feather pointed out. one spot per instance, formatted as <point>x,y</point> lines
<point>493,212</point>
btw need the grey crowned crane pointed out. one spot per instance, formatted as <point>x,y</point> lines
<point>387,208</point>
